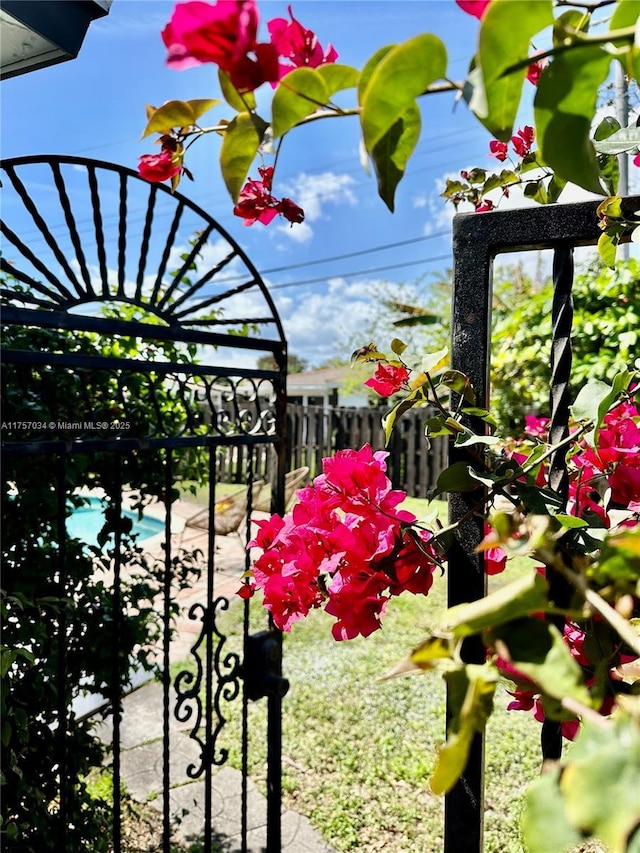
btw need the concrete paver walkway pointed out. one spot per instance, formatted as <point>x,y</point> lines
<point>142,741</point>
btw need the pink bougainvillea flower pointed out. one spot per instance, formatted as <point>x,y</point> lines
<point>618,453</point>
<point>343,547</point>
<point>225,34</point>
<point>535,70</point>
<point>484,206</point>
<point>498,149</point>
<point>290,210</point>
<point>257,204</point>
<point>636,160</point>
<point>523,141</point>
<point>298,45</point>
<point>476,8</point>
<point>536,426</point>
<point>158,167</point>
<point>495,560</point>
<point>388,379</point>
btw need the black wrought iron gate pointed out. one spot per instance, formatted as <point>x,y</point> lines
<point>130,322</point>
<point>477,240</point>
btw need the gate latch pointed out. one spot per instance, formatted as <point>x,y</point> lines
<point>262,668</point>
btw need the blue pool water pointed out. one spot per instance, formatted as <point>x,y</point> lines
<point>88,520</point>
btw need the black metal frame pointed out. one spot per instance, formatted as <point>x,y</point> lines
<point>477,240</point>
<point>58,288</point>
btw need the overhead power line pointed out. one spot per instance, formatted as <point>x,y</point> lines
<point>368,251</point>
<point>446,257</point>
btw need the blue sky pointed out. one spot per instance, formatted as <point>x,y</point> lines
<point>94,106</point>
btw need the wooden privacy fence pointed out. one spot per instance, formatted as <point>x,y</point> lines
<point>315,432</point>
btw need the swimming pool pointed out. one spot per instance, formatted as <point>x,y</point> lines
<point>87,521</point>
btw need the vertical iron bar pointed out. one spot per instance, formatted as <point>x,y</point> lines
<point>560,395</point>
<point>97,222</point>
<point>122,234</point>
<point>166,674</point>
<point>144,247</point>
<point>71,225</point>
<point>245,699</point>
<point>211,547</point>
<point>42,227</point>
<point>274,701</point>
<point>164,260</point>
<point>466,578</point>
<point>558,478</point>
<point>63,689</point>
<point>116,691</point>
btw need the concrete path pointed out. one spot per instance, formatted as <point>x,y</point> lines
<point>142,743</point>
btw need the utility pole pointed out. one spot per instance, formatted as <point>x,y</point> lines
<point>622,114</point>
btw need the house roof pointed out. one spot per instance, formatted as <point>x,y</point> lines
<point>321,379</point>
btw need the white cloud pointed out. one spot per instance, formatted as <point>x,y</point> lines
<point>313,192</point>
<point>319,324</point>
<point>299,232</point>
<point>420,201</point>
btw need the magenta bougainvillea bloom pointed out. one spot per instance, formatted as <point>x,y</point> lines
<point>158,167</point>
<point>298,45</point>
<point>498,149</point>
<point>388,379</point>
<point>535,70</point>
<point>523,141</point>
<point>476,8</point>
<point>636,160</point>
<point>345,547</point>
<point>618,453</point>
<point>224,33</point>
<point>256,204</point>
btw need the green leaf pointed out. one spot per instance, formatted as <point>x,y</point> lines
<point>399,77</point>
<point>458,382</point>
<point>306,90</point>
<point>437,426</point>
<point>455,478</point>
<point>607,127</point>
<point>587,403</point>
<point>338,77</point>
<point>299,94</point>
<point>570,522</point>
<point>565,103</point>
<point>418,320</point>
<point>505,35</point>
<point>391,153</point>
<point>545,825</point>
<point>177,114</point>
<point>626,14</point>
<point>536,191</point>
<point>626,139</point>
<point>240,144</point>
<point>369,67</point>
<point>607,249</point>
<point>538,651</point>
<point>415,398</point>
<point>600,782</point>
<point>398,346</point>
<point>241,103</point>
<point>520,597</point>
<point>434,361</point>
<point>566,25</point>
<point>471,691</point>
<point>465,440</point>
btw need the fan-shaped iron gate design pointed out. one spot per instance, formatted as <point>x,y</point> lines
<point>129,318</point>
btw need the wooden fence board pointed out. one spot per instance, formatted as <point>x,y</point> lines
<point>315,432</point>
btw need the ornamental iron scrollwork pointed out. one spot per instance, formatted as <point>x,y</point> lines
<point>225,672</point>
